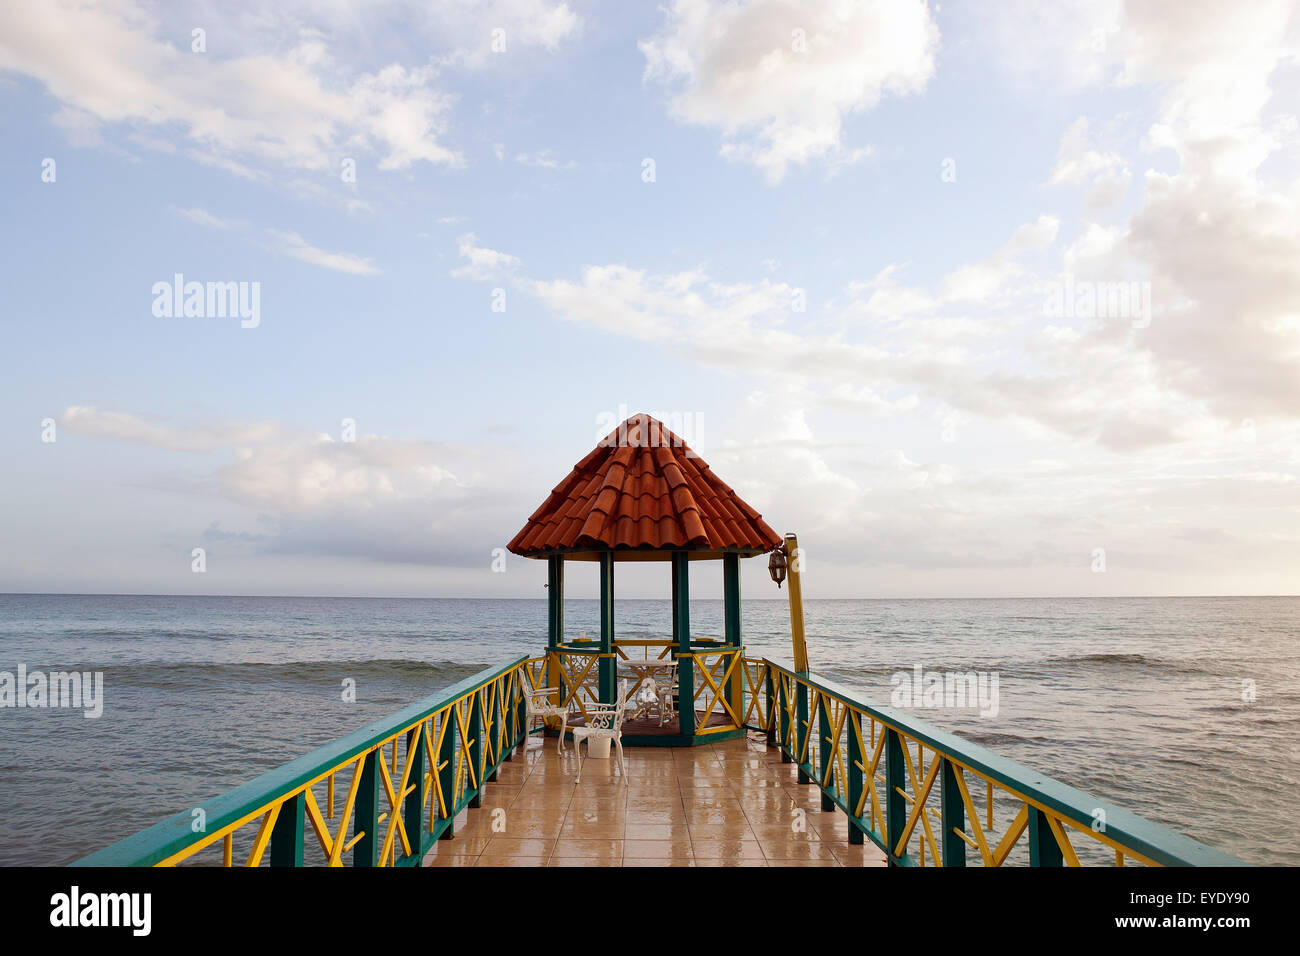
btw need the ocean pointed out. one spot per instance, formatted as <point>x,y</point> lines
<point>1183,710</point>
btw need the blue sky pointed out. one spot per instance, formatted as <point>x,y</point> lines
<point>838,271</point>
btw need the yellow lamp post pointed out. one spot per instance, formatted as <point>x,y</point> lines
<point>788,559</point>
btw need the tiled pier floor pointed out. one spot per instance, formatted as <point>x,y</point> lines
<point>727,804</point>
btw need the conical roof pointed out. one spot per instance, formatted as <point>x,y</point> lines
<point>643,493</point>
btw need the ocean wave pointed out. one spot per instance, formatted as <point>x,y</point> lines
<point>1187,666</point>
<point>1102,659</point>
<point>146,633</point>
<point>304,672</point>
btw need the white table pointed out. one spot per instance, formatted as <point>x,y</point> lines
<point>648,671</point>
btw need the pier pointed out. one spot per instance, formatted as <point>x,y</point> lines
<point>390,793</point>
<point>728,759</point>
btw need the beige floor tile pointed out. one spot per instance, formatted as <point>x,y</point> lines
<point>652,818</point>
<point>542,798</point>
<point>868,855</point>
<point>714,817</point>
<point>780,863</point>
<point>655,793</point>
<point>730,861</point>
<point>733,829</point>
<point>775,851</point>
<point>726,849</point>
<point>580,846</point>
<point>768,833</point>
<point>658,831</point>
<point>530,829</point>
<point>631,862</point>
<point>578,816</point>
<point>502,845</point>
<point>583,863</point>
<point>461,844</point>
<point>511,861</point>
<point>710,799</point>
<point>707,782</point>
<point>578,830</point>
<point>667,849</point>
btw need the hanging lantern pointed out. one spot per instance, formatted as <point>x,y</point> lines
<point>776,565</point>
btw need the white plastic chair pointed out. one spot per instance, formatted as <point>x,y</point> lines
<point>666,685</point>
<point>645,700</point>
<point>604,721</point>
<point>537,700</point>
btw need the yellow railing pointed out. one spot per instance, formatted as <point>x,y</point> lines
<point>717,689</point>
<point>927,797</point>
<point>402,782</point>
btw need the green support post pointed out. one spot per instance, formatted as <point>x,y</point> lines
<point>783,722</point>
<point>856,761</point>
<point>731,627</point>
<point>476,748</point>
<point>555,627</point>
<point>554,600</point>
<point>952,816</point>
<point>286,835</point>
<point>682,633</point>
<point>521,711</point>
<point>773,711</point>
<point>413,805</point>
<point>827,749</point>
<point>365,816</point>
<point>606,664</point>
<point>801,729</point>
<point>446,772</point>
<point>1043,848</point>
<point>498,734</point>
<point>895,805</point>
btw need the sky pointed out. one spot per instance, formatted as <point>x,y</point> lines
<point>981,300</point>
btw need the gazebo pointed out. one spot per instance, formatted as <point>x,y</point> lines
<point>644,495</point>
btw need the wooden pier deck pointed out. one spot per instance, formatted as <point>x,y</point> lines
<point>731,803</point>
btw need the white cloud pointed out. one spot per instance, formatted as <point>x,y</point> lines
<point>1217,237</point>
<point>524,24</point>
<point>1068,43</point>
<point>543,159</point>
<point>125,426</point>
<point>1007,361</point>
<point>1079,164</point>
<point>984,282</point>
<point>292,244</point>
<point>1220,237</point>
<point>295,107</point>
<point>780,78</point>
<point>374,498</point>
<point>202,217</point>
<point>482,263</point>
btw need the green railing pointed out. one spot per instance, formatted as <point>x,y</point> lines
<point>404,780</point>
<point>927,797</point>
<point>924,796</point>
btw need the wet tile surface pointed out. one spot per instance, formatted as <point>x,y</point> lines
<point>727,804</point>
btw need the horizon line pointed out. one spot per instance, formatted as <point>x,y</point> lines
<point>389,597</point>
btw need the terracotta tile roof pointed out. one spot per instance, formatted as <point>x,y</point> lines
<point>642,488</point>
